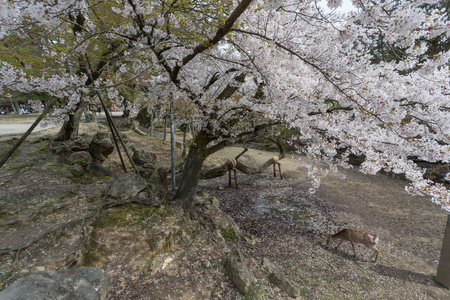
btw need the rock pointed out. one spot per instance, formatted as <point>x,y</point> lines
<point>101,147</point>
<point>159,176</point>
<point>77,170</point>
<point>125,186</point>
<point>140,157</point>
<point>39,269</point>
<point>209,206</point>
<point>239,272</point>
<point>79,144</point>
<point>75,284</point>
<point>207,202</point>
<point>60,149</point>
<point>166,262</point>
<point>82,158</point>
<point>103,135</point>
<point>224,222</point>
<point>277,277</point>
<point>99,170</point>
<point>217,236</point>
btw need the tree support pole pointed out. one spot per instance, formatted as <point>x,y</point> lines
<point>172,142</point>
<point>27,133</point>
<point>117,144</point>
<point>109,118</point>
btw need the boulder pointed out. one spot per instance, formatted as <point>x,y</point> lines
<point>77,170</point>
<point>277,277</point>
<point>141,157</point>
<point>240,274</point>
<point>125,186</point>
<point>79,144</point>
<point>101,149</point>
<point>85,283</point>
<point>101,146</point>
<point>82,158</point>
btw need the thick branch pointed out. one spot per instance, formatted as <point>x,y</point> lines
<point>221,32</point>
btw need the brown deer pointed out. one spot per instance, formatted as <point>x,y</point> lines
<point>356,236</point>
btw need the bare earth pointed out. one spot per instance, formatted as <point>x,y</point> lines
<point>192,266</point>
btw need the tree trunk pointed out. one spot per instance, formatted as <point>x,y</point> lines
<point>70,128</point>
<point>192,170</point>
<point>15,106</point>
<point>183,153</point>
<point>165,127</point>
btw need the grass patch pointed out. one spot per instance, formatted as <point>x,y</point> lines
<point>230,234</point>
<point>127,215</point>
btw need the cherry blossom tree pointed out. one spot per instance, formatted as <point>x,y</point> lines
<point>247,65</point>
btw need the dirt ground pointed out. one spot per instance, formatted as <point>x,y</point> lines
<point>38,191</point>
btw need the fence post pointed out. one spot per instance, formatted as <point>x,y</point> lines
<point>443,272</point>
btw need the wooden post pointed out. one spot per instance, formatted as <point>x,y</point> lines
<point>443,272</point>
<point>275,170</point>
<point>279,170</point>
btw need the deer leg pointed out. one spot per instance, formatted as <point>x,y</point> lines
<point>340,243</point>
<point>353,246</point>
<point>375,253</point>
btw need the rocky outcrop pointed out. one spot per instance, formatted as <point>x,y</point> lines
<point>74,284</point>
<point>240,274</point>
<point>277,277</point>
<point>82,158</point>
<point>208,208</point>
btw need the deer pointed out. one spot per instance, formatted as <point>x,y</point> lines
<point>356,236</point>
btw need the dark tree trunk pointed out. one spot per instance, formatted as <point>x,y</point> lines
<point>70,128</point>
<point>192,170</point>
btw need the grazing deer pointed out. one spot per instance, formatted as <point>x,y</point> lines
<point>356,236</point>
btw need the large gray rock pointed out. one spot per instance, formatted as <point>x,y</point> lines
<point>79,144</point>
<point>74,284</point>
<point>277,277</point>
<point>101,147</point>
<point>125,186</point>
<point>82,158</point>
<point>140,157</point>
<point>239,272</point>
